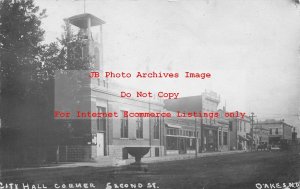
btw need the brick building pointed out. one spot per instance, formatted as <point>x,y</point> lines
<point>97,137</point>
<point>213,130</point>
<point>279,130</point>
<point>181,135</point>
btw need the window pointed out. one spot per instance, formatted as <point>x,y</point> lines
<point>276,131</point>
<point>156,128</point>
<point>225,138</point>
<point>270,131</point>
<point>139,127</point>
<point>191,133</point>
<point>168,132</point>
<point>124,126</point>
<point>101,121</point>
<point>172,131</point>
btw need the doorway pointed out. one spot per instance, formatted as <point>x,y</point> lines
<point>100,144</point>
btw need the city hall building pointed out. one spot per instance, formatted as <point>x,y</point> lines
<point>96,137</point>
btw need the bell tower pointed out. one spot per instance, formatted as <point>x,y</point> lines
<point>87,24</point>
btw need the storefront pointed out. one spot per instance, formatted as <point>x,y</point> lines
<point>274,140</point>
<point>243,143</point>
<point>180,139</point>
<point>210,138</point>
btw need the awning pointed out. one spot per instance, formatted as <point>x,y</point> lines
<point>248,136</point>
<point>173,126</point>
<point>243,138</point>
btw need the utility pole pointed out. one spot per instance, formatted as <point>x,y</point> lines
<point>196,139</point>
<point>201,134</point>
<point>252,130</point>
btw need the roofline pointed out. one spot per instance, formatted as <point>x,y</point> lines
<point>273,122</point>
<point>86,14</point>
<point>77,17</point>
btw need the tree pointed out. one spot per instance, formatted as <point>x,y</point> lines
<point>27,80</point>
<point>21,47</point>
<point>20,41</point>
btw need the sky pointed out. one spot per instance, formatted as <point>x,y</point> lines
<point>251,47</point>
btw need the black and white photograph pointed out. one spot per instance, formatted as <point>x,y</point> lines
<point>160,94</point>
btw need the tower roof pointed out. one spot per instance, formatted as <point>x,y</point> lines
<point>80,20</point>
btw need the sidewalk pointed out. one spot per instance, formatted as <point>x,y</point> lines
<point>117,163</point>
<point>186,156</point>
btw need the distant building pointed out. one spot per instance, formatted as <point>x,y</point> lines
<point>223,131</point>
<point>181,135</point>
<point>279,131</point>
<point>240,138</point>
<point>260,135</point>
<point>213,131</point>
<point>294,136</point>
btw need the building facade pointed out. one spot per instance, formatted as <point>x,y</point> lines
<point>100,136</point>
<point>223,131</point>
<point>260,135</point>
<point>182,135</point>
<point>279,131</point>
<point>214,135</point>
<point>240,137</point>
